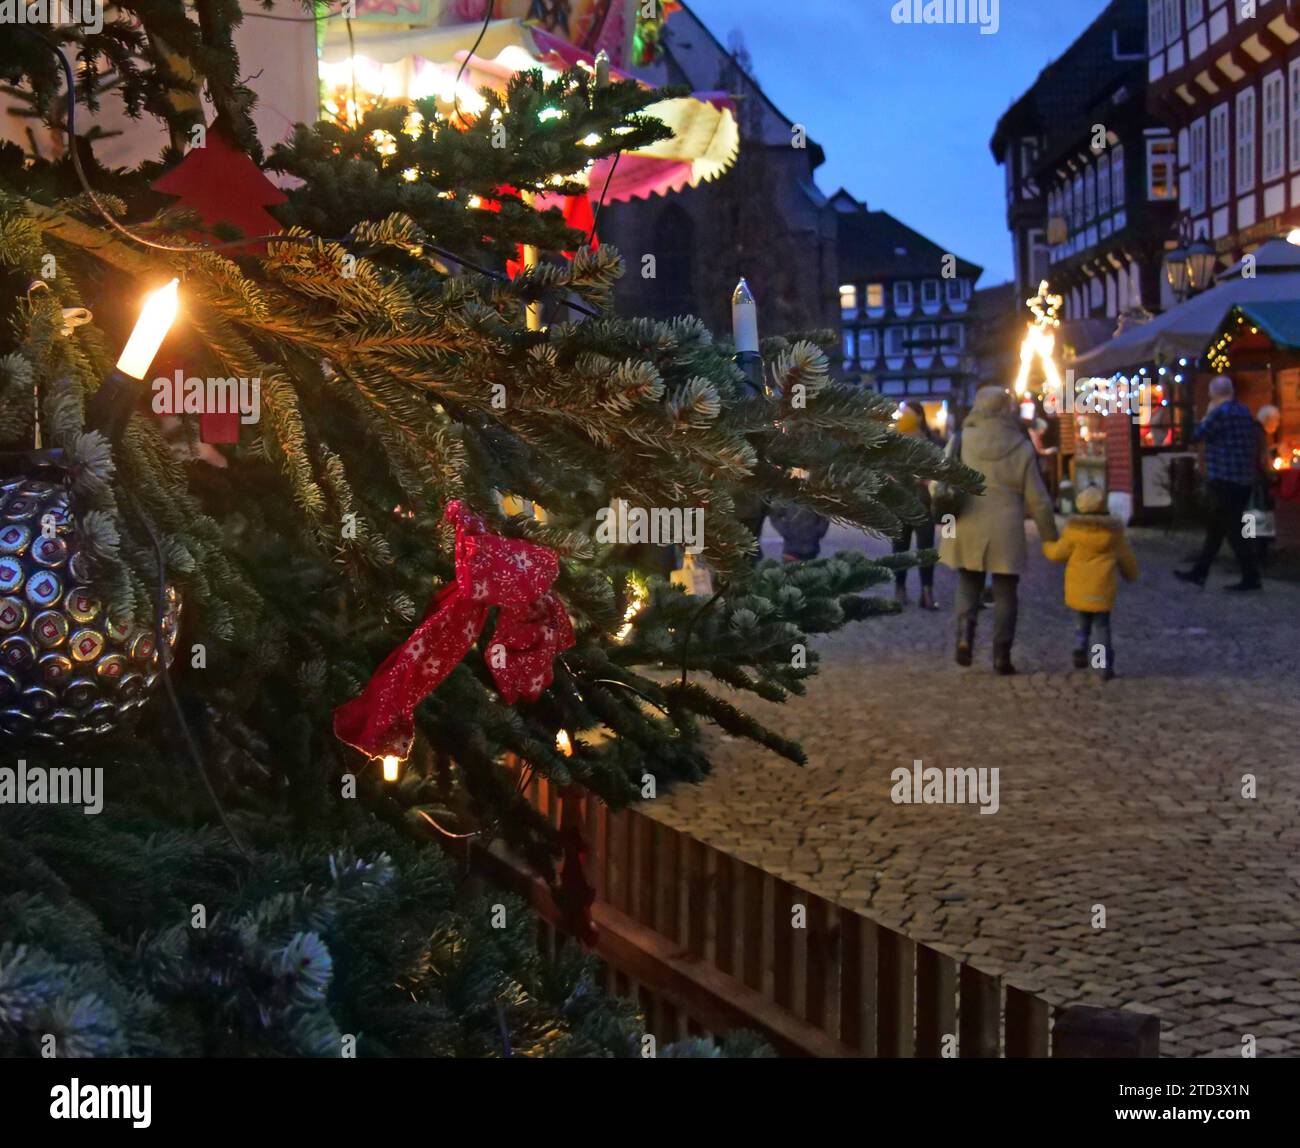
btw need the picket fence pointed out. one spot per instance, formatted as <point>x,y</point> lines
<point>708,943</point>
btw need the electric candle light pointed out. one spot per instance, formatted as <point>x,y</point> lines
<point>391,763</point>
<point>156,318</point>
<point>110,407</point>
<point>563,744</point>
<point>744,320</point>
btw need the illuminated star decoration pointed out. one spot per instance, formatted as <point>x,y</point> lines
<point>1040,342</point>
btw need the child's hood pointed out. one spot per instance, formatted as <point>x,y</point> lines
<point>1094,522</point>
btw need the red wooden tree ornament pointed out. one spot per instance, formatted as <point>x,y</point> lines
<point>222,185</point>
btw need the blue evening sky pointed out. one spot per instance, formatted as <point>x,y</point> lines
<point>905,113</point>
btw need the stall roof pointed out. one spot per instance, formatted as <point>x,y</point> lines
<point>1278,319</point>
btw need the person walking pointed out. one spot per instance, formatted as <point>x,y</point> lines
<point>989,532</point>
<point>912,422</point>
<point>1096,552</point>
<point>1232,452</point>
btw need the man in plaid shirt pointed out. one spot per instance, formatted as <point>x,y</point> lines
<point>1232,453</point>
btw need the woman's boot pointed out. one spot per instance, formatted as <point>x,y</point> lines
<point>1002,659</point>
<point>927,598</point>
<point>965,640</point>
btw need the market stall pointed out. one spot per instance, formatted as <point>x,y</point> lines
<point>1258,344</point>
<point>1141,393</point>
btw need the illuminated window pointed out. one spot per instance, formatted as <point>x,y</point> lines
<point>849,299</point>
<point>1162,169</point>
<point>875,296</point>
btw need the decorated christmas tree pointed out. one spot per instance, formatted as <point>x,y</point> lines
<point>243,639</point>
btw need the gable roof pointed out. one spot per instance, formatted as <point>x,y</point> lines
<point>1071,83</point>
<point>873,244</point>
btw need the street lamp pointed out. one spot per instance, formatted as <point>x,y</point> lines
<point>1202,260</point>
<point>1190,266</point>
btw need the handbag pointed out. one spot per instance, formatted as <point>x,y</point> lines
<point>1261,514</point>
<point>946,499</point>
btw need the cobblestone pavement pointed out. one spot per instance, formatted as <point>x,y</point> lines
<point>1125,794</point>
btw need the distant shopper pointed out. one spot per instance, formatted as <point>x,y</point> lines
<point>1094,548</point>
<point>989,534</point>
<point>801,532</point>
<point>912,422</point>
<point>1232,452</point>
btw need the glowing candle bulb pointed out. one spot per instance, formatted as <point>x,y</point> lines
<point>391,765</point>
<point>156,318</point>
<point>563,744</point>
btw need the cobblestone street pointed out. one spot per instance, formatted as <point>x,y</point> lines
<point>1126,795</point>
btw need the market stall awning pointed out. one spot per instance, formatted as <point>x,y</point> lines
<point>1278,320</point>
<point>1255,335</point>
<point>425,61</point>
<point>1271,275</point>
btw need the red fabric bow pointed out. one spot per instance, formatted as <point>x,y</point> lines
<point>532,627</point>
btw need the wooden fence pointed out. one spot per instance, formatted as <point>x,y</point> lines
<point>708,943</point>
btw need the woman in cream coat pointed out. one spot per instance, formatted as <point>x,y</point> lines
<point>989,533</point>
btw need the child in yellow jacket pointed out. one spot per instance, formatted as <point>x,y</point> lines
<point>1094,548</point>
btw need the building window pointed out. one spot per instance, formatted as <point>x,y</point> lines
<point>953,338</point>
<point>923,339</point>
<point>930,292</point>
<point>1245,140</point>
<point>1173,20</point>
<point>895,338</point>
<point>850,349</point>
<point>1156,26</point>
<point>1103,184</point>
<point>1273,93</point>
<point>958,290</point>
<point>1294,79</point>
<point>893,387</point>
<point>1078,202</point>
<point>1117,176</point>
<point>1195,12</point>
<point>868,344</point>
<point>902,295</point>
<point>1196,175</point>
<point>875,296</point>
<point>848,299</point>
<point>1162,168</point>
<point>1090,194</point>
<point>1219,155</point>
<point>1067,206</point>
